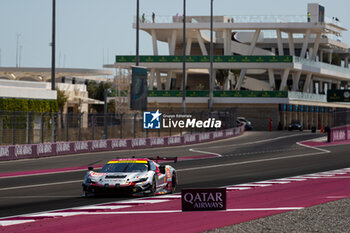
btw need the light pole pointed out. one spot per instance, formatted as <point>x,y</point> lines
<point>53,56</point>
<point>184,60</point>
<point>137,31</point>
<point>20,56</point>
<point>53,44</point>
<point>17,46</point>
<point>211,78</point>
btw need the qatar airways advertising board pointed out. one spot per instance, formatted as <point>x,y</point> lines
<point>203,199</point>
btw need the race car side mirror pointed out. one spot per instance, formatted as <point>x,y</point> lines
<point>90,168</point>
<point>162,169</point>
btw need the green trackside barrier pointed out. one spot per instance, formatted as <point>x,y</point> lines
<point>245,94</point>
<point>205,59</point>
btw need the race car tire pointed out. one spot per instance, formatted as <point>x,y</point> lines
<point>173,183</point>
<point>87,193</point>
<point>153,187</point>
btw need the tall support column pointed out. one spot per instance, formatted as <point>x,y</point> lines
<point>321,88</point>
<point>316,45</point>
<point>185,81</point>
<point>291,43</point>
<point>310,53</point>
<point>346,62</point>
<point>240,79</point>
<point>227,42</point>
<point>307,83</point>
<point>253,43</point>
<point>279,42</point>
<point>159,81</point>
<point>330,57</point>
<point>188,46</point>
<point>273,50</point>
<point>229,81</point>
<point>272,79</point>
<point>338,85</point>
<point>169,45</point>
<point>201,44</point>
<point>151,79</point>
<point>284,79</point>
<point>168,81</point>
<point>172,43</point>
<point>154,41</point>
<point>312,86</point>
<point>305,43</point>
<point>250,52</point>
<point>296,79</point>
<point>321,56</point>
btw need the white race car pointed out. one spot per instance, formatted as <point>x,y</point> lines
<point>134,175</point>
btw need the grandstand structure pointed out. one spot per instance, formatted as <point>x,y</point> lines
<point>277,67</point>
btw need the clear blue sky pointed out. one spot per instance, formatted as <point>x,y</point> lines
<point>89,29</point>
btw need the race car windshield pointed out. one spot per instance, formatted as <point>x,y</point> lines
<point>125,167</point>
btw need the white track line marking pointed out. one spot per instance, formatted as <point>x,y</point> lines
<point>238,188</point>
<point>322,175</point>
<point>205,152</point>
<point>253,184</point>
<point>44,173</point>
<point>30,197</point>
<point>137,201</point>
<point>98,207</point>
<point>292,179</point>
<point>337,177</point>
<point>256,142</point>
<point>58,214</point>
<point>272,182</point>
<point>336,197</point>
<point>312,177</point>
<point>40,185</point>
<point>312,147</point>
<point>180,211</point>
<point>14,222</point>
<point>251,161</point>
<point>167,196</point>
<point>334,173</point>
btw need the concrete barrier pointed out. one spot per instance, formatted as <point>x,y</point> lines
<point>26,151</point>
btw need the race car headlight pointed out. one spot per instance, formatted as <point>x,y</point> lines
<point>140,180</point>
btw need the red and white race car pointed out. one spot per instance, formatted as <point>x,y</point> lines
<point>131,175</point>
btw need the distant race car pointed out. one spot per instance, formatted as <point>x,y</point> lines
<point>131,176</point>
<point>242,120</point>
<point>296,125</point>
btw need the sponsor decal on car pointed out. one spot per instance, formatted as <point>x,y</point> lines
<point>128,161</point>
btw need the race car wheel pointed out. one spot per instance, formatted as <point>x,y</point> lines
<point>153,188</point>
<point>88,193</point>
<point>173,183</point>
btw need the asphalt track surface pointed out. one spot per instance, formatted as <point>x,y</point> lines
<point>254,156</point>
